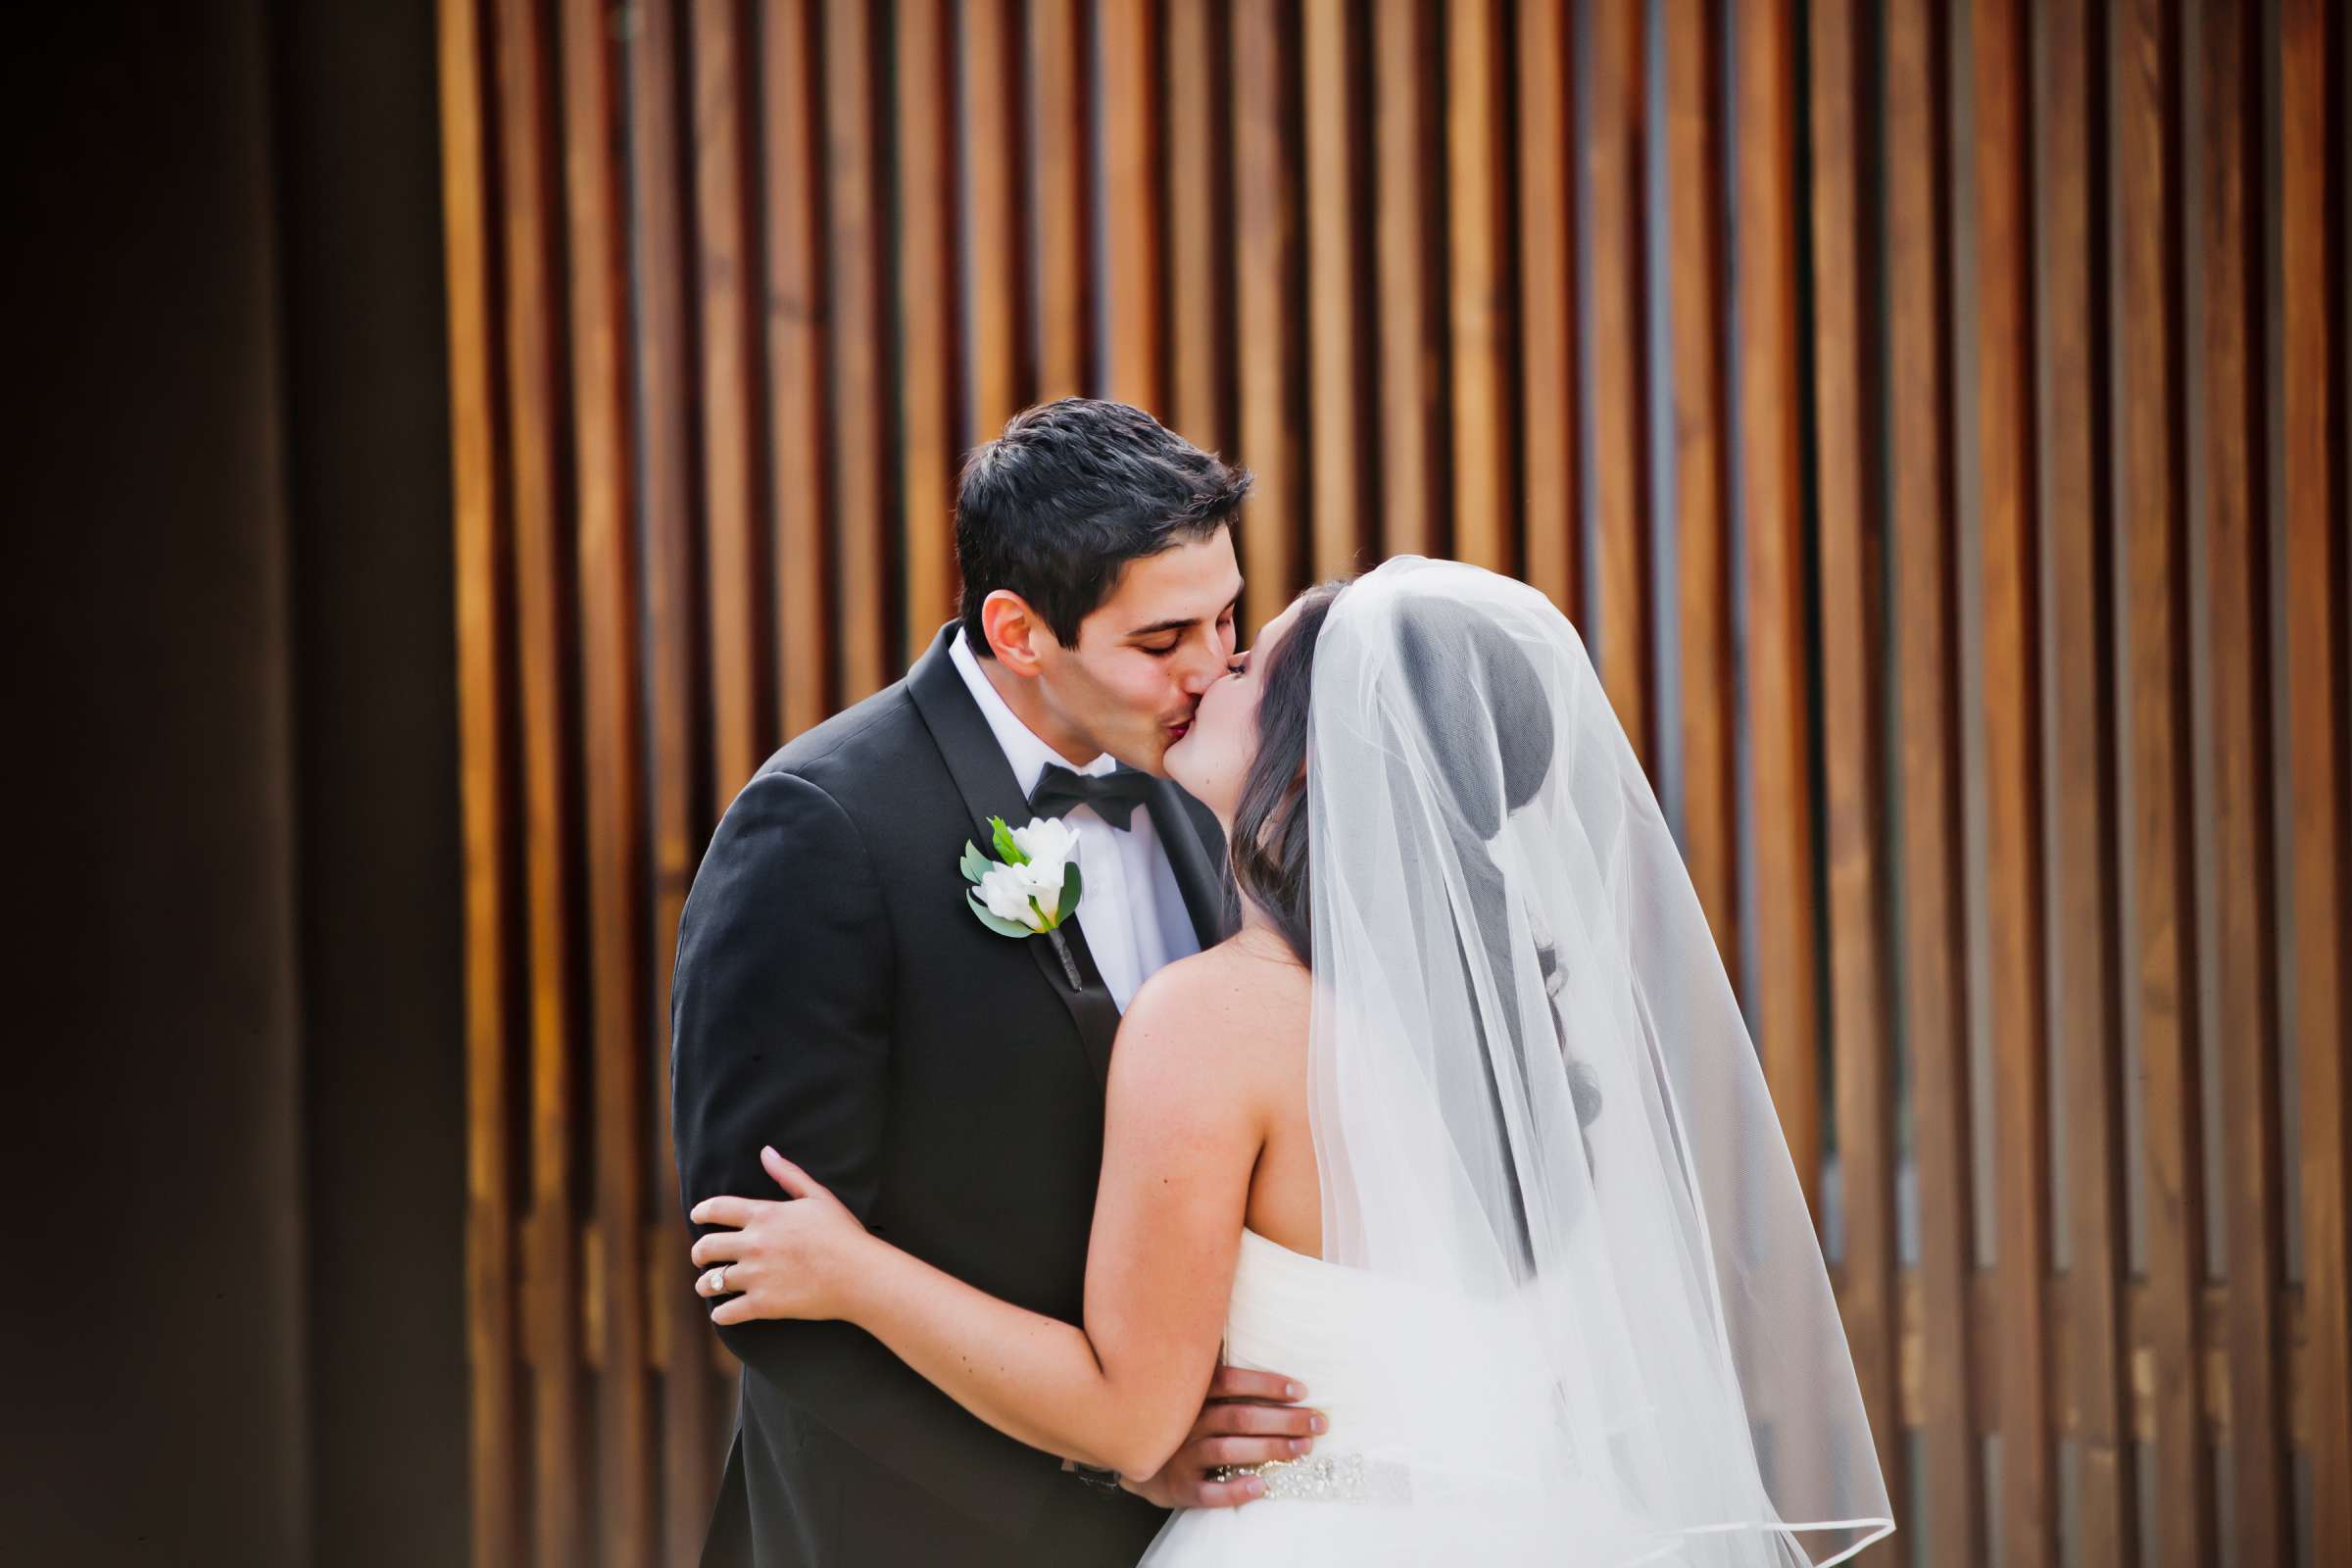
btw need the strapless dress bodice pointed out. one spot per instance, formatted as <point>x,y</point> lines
<point>1421,1441</point>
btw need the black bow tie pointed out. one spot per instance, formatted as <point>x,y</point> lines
<point>1114,796</point>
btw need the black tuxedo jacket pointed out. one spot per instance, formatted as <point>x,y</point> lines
<point>835,997</point>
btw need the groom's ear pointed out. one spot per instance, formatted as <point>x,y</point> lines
<point>1012,629</point>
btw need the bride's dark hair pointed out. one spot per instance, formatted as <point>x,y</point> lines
<point>1456,664</point>
<point>1271,834</point>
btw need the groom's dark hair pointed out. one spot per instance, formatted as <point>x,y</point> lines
<point>1056,506</point>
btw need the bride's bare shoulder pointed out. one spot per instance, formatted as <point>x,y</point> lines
<point>1224,1007</point>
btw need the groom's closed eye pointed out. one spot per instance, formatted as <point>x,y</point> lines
<point>1164,650</point>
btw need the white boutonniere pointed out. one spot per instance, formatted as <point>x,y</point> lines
<point>1032,887</point>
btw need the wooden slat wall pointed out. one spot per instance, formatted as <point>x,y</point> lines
<point>2226,421</point>
<point>2308,527</point>
<point>2005,733</point>
<point>1850,521</point>
<point>2144,522</point>
<point>1338,426</point>
<point>800,391</point>
<point>2077,830</point>
<point>1480,321</point>
<point>1944,1391</point>
<point>537,360</point>
<point>1937,415</point>
<point>479,509</point>
<point>611,691</point>
<point>929,315</point>
<point>1615,387</point>
<point>1267,287</point>
<point>1410,368</point>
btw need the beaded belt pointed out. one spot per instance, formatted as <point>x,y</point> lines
<point>1324,1478</point>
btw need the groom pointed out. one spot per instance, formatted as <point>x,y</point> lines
<point>836,997</point>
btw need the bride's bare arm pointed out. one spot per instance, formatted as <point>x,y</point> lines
<point>1183,1128</point>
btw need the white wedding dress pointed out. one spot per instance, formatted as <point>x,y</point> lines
<point>1375,1491</point>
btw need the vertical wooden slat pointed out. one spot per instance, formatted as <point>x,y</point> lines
<point>1695,280</point>
<point>798,347</point>
<point>725,271</point>
<point>1336,430</point>
<point>1772,527</point>
<point>469,194</point>
<point>860,348</point>
<point>1414,491</point>
<point>1783,937</point>
<point>2074,782</point>
<point>612,745</point>
<point>2158,975</point>
<point>1003,367</point>
<point>674,639</point>
<point>1845,438</point>
<point>1618,393</point>
<point>1480,317</point>
<point>1061,131</point>
<point>1199,226</point>
<point>1550,509</point>
<point>2312,171</point>
<point>2232,739</point>
<point>931,373</point>
<point>1266,265</point>
<point>2004,459</point>
<point>1931,1001</point>
<point>535,421</point>
<point>1134,226</point>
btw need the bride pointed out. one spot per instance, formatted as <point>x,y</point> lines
<point>1462,1128</point>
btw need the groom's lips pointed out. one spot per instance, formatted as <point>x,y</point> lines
<point>1176,732</point>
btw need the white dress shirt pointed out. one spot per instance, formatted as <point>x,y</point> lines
<point>1132,911</point>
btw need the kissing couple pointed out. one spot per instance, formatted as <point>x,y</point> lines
<point>1140,1100</point>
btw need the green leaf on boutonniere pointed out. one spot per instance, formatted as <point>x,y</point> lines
<point>1002,928</point>
<point>1007,851</point>
<point>1071,887</point>
<point>975,865</point>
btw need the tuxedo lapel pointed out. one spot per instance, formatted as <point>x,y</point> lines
<point>1196,876</point>
<point>977,762</point>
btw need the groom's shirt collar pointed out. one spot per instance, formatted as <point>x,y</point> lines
<point>1022,749</point>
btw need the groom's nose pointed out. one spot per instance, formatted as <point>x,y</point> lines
<point>1202,662</point>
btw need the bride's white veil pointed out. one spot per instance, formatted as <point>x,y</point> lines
<point>1534,1097</point>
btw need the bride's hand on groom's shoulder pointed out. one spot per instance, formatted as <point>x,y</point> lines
<point>793,1257</point>
<point>1248,1418</point>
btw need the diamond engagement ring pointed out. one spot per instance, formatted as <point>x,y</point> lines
<point>718,1280</point>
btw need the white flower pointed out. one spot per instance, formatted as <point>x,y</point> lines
<point>1024,894</point>
<point>1007,891</point>
<point>1049,842</point>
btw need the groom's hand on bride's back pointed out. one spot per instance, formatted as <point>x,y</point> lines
<point>1250,1418</point>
